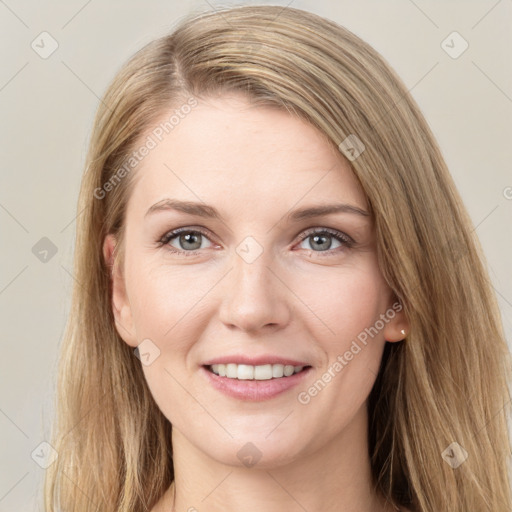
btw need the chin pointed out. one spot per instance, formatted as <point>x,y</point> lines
<point>256,452</point>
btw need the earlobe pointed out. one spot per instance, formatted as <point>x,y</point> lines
<point>398,328</point>
<point>119,303</point>
<point>395,333</point>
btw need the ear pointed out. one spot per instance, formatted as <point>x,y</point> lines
<point>120,303</point>
<point>398,326</point>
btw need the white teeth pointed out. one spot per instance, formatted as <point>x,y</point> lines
<point>231,371</point>
<point>245,372</point>
<point>288,370</point>
<point>277,370</point>
<point>249,372</point>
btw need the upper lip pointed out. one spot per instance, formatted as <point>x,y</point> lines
<point>255,361</point>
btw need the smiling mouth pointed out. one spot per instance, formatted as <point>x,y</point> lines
<point>250,372</point>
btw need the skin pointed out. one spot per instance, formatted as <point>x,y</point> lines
<point>255,165</point>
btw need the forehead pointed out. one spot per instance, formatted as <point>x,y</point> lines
<point>246,156</point>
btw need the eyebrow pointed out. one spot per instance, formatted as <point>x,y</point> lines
<point>204,210</point>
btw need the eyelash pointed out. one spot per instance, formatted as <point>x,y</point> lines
<point>344,239</point>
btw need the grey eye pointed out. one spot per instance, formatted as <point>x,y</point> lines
<point>321,242</point>
<point>188,241</point>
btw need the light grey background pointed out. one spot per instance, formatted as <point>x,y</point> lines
<point>46,111</point>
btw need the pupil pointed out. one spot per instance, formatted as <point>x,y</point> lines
<point>325,244</point>
<point>191,238</point>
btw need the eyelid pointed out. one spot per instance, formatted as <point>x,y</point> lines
<point>173,233</point>
<point>342,237</point>
<point>330,231</point>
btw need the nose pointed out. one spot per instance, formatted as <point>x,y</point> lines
<point>255,296</point>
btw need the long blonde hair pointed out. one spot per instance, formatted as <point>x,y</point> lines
<point>446,383</point>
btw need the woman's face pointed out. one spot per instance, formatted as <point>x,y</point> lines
<point>255,275</point>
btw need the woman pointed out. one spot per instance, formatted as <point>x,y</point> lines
<point>281,303</point>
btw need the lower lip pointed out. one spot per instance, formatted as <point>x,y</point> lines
<point>254,390</point>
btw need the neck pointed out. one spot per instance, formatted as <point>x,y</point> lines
<point>333,478</point>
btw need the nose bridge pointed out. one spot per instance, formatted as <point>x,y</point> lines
<point>254,297</point>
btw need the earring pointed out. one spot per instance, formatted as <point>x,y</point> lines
<point>402,332</point>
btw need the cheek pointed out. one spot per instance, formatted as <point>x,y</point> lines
<point>346,311</point>
<point>168,308</point>
<point>165,298</point>
<point>346,307</point>
<point>173,302</point>
<point>342,303</point>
